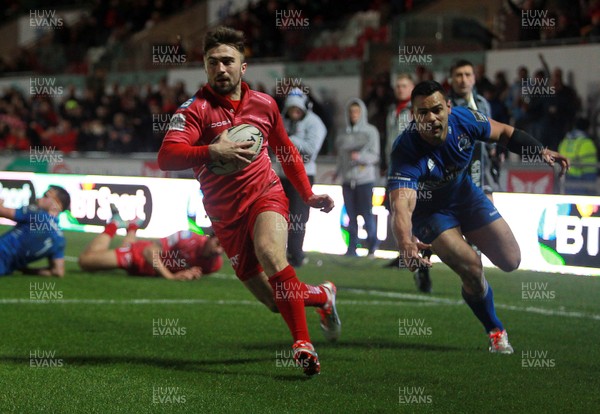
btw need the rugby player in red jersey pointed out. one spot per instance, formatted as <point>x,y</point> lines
<point>181,256</point>
<point>248,209</point>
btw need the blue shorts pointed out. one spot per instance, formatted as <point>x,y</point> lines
<point>468,208</point>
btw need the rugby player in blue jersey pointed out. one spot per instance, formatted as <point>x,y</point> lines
<point>435,204</point>
<point>36,235</point>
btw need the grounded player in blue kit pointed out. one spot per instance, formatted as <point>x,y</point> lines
<point>436,205</point>
<point>36,235</point>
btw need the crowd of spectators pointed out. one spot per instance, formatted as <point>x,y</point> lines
<point>547,109</point>
<point>273,28</point>
<point>104,24</point>
<point>118,119</point>
<point>127,119</point>
<point>543,20</point>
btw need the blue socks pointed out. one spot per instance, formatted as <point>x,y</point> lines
<point>483,308</point>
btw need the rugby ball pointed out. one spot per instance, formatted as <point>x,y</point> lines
<point>239,133</point>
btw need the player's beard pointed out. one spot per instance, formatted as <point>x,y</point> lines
<point>225,88</point>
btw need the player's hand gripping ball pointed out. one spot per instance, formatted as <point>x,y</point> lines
<point>239,133</point>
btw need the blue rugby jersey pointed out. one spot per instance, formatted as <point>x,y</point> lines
<point>440,170</point>
<point>36,235</point>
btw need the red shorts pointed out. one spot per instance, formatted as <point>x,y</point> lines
<point>236,236</point>
<point>131,259</point>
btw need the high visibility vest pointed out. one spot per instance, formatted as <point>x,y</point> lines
<point>579,149</point>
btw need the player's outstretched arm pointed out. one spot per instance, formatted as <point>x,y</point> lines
<point>403,202</point>
<point>6,212</point>
<point>56,267</point>
<point>517,141</point>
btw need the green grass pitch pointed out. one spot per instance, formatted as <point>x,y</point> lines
<point>109,343</point>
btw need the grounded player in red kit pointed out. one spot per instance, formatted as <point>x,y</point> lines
<point>181,256</point>
<point>248,209</point>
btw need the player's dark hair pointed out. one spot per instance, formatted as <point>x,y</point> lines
<point>222,35</point>
<point>63,196</point>
<point>459,64</point>
<point>427,88</point>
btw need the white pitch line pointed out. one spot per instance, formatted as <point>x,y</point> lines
<point>191,302</point>
<point>413,300</point>
<point>130,302</point>
<point>445,301</point>
<point>407,296</point>
<point>430,300</point>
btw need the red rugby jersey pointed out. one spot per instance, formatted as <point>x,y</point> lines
<point>200,119</point>
<point>183,250</point>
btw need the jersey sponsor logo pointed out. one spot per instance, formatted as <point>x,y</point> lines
<point>479,117</point>
<point>464,143</point>
<point>220,123</point>
<point>430,164</point>
<point>177,122</point>
<point>188,102</point>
